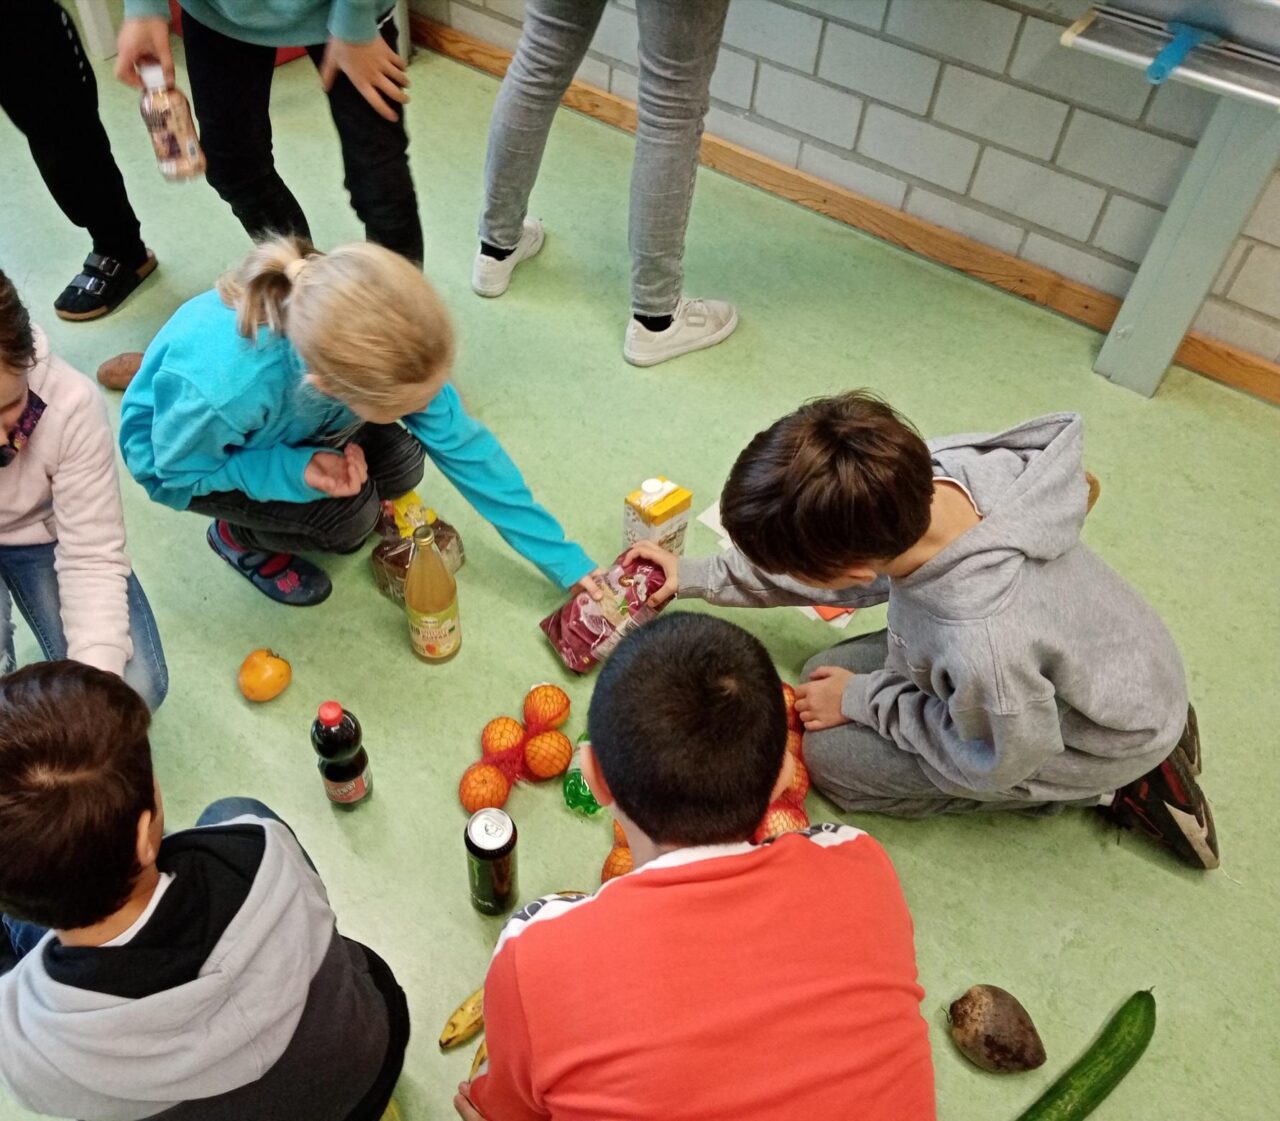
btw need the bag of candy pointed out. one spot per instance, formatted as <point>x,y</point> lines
<point>585,631</point>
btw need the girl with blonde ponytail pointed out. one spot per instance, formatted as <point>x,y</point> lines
<point>302,391</point>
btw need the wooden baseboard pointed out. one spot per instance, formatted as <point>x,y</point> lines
<point>1212,357</point>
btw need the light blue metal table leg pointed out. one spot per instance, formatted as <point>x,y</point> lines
<point>1231,165</point>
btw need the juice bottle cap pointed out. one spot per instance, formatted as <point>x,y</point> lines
<point>652,486</point>
<point>330,714</point>
<point>424,535</point>
<point>152,74</point>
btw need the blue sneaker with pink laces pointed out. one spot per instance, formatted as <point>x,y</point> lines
<point>279,576</point>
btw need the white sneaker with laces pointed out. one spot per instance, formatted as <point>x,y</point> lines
<point>491,277</point>
<point>695,325</point>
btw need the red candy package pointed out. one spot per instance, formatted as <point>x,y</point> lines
<point>585,632</point>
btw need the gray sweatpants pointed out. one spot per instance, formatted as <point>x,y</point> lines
<point>860,770</point>
<point>679,41</point>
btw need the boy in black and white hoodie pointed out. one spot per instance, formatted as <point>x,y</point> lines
<point>192,977</point>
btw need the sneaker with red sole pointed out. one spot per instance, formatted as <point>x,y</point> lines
<point>1168,805</point>
<point>279,576</point>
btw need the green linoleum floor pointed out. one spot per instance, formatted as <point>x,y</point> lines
<point>1062,913</point>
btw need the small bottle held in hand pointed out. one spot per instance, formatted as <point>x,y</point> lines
<point>173,133</point>
<point>343,763</point>
<point>431,601</point>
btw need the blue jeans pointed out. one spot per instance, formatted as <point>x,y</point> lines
<point>28,575</point>
<point>24,936</point>
<point>679,44</point>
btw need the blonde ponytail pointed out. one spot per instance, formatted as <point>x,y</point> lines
<point>366,323</point>
<point>260,288</point>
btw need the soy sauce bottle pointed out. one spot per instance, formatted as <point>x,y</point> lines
<point>343,763</point>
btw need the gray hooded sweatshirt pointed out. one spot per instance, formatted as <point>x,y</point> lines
<point>273,1014</point>
<point>1018,660</point>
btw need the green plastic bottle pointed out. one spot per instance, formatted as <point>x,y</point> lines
<point>577,794</point>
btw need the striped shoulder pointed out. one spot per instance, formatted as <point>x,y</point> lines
<point>540,910</point>
<point>826,834</point>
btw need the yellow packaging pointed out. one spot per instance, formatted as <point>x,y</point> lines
<point>658,511</point>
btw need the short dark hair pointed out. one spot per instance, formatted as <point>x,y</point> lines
<point>689,727</point>
<point>75,776</point>
<point>17,341</point>
<point>841,481</point>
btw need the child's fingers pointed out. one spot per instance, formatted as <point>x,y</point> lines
<point>328,68</point>
<point>821,673</point>
<point>390,89</point>
<point>375,99</point>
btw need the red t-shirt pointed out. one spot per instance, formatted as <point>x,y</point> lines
<point>724,983</point>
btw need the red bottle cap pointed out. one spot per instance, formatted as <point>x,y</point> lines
<point>330,714</point>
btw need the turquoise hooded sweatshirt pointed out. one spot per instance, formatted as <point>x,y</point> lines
<point>276,23</point>
<point>211,411</point>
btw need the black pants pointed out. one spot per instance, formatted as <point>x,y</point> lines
<point>328,525</point>
<point>231,93</point>
<point>48,90</point>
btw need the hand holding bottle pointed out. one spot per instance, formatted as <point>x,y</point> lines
<point>139,41</point>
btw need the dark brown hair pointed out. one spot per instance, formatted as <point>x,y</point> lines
<point>17,343</point>
<point>75,776</point>
<point>841,481</point>
<point>688,725</point>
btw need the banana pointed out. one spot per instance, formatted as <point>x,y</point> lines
<point>466,1021</point>
<point>482,1053</point>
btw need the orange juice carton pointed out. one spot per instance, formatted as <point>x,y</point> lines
<point>658,511</point>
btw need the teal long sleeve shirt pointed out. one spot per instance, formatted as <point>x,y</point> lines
<point>210,411</point>
<point>280,23</point>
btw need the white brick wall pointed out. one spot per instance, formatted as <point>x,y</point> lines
<point>966,113</point>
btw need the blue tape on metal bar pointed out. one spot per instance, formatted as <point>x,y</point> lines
<point>1185,40</point>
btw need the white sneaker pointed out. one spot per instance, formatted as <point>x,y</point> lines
<point>491,277</point>
<point>695,325</point>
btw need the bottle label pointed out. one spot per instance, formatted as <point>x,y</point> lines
<point>437,635</point>
<point>353,790</point>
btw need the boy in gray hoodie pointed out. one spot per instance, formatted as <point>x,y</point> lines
<point>1018,670</point>
<point>191,977</point>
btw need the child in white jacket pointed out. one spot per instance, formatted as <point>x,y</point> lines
<point>62,558</point>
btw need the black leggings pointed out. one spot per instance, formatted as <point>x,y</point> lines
<point>48,90</point>
<point>231,93</point>
<point>327,525</point>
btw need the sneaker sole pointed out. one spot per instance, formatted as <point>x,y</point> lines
<point>106,309</point>
<point>701,344</point>
<point>495,290</point>
<point>249,580</point>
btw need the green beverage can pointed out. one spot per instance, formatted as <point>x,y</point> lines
<point>491,861</point>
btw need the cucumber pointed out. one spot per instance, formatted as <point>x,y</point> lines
<point>1081,1088</point>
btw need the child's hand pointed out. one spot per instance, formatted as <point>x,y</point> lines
<point>139,40</point>
<point>590,584</point>
<point>818,699</point>
<point>373,68</point>
<point>462,1104</point>
<point>668,562</point>
<point>338,476</point>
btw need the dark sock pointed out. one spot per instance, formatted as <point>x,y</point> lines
<point>655,322</point>
<point>493,251</point>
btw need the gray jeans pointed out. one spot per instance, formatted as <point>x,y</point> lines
<point>679,41</point>
<point>859,770</point>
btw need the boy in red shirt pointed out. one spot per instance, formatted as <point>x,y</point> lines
<point>720,980</point>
